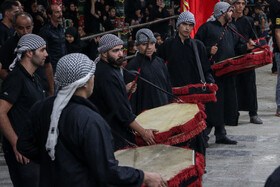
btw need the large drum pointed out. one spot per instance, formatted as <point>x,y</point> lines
<point>176,122</point>
<point>196,93</point>
<point>257,58</point>
<point>184,166</point>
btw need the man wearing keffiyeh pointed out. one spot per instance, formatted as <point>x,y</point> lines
<point>20,90</point>
<point>69,137</point>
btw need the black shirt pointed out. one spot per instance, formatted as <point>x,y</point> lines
<point>84,153</point>
<point>7,56</point>
<point>5,33</point>
<point>245,26</point>
<point>181,61</point>
<point>229,46</point>
<point>147,96</point>
<point>275,19</point>
<point>22,90</point>
<point>55,39</point>
<point>7,52</point>
<point>110,97</point>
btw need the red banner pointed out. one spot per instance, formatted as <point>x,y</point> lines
<point>202,10</point>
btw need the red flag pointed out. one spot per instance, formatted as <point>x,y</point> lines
<point>201,9</point>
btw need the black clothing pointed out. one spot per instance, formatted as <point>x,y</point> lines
<point>55,39</point>
<point>181,61</point>
<point>7,56</point>
<point>109,23</point>
<point>7,52</point>
<point>21,90</point>
<point>162,27</point>
<point>146,96</point>
<point>84,154</point>
<point>110,97</point>
<point>274,9</point>
<point>37,22</point>
<point>77,46</point>
<point>92,24</point>
<point>5,33</point>
<point>246,82</point>
<point>230,45</point>
<point>22,175</point>
<point>226,108</point>
<point>274,179</point>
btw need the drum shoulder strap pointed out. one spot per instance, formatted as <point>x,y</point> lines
<point>198,62</point>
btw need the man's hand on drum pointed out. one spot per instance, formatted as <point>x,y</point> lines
<point>213,50</point>
<point>148,136</point>
<point>251,44</point>
<point>131,87</point>
<point>154,180</point>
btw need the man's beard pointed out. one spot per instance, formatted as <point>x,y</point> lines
<point>228,19</point>
<point>115,62</point>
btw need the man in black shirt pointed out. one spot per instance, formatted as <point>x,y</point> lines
<point>53,33</point>
<point>20,90</point>
<point>110,95</point>
<point>222,43</point>
<point>153,69</point>
<point>246,82</point>
<point>8,9</point>
<point>82,154</point>
<point>23,24</point>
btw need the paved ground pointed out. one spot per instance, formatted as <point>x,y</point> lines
<point>249,162</point>
<point>257,153</point>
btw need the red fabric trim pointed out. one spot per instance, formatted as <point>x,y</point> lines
<point>194,171</point>
<point>184,94</point>
<point>244,64</point>
<point>188,134</point>
<point>188,127</point>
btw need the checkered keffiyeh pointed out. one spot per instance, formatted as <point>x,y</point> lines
<point>107,42</point>
<point>27,42</point>
<point>73,71</point>
<point>145,35</point>
<point>221,8</point>
<point>185,17</point>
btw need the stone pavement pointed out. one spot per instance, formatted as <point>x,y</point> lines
<point>249,162</point>
<point>257,153</point>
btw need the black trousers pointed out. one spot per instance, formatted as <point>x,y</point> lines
<point>247,92</point>
<point>225,109</point>
<point>21,175</point>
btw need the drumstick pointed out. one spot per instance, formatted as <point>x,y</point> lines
<point>244,37</point>
<point>139,69</point>
<point>152,84</point>
<point>240,56</point>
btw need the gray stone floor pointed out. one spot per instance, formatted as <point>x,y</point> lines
<point>249,162</point>
<point>257,153</point>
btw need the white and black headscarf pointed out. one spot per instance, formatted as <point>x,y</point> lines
<point>27,42</point>
<point>73,71</point>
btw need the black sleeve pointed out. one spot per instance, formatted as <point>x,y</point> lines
<point>119,103</point>
<point>161,51</point>
<point>99,154</point>
<point>200,35</point>
<point>3,38</point>
<point>6,55</point>
<point>11,88</point>
<point>133,65</point>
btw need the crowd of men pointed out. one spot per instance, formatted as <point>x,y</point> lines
<point>63,114</point>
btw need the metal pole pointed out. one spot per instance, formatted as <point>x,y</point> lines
<point>128,27</point>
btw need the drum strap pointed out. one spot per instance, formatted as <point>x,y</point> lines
<point>198,62</point>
